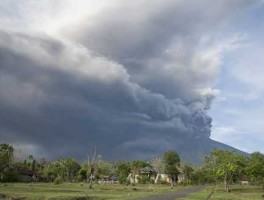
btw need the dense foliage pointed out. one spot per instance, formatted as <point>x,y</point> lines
<point>172,164</point>
<point>225,166</point>
<point>219,167</point>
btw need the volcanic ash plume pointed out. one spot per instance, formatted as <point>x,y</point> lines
<point>132,79</point>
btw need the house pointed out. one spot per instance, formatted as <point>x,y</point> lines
<point>147,171</point>
<point>133,180</point>
<point>153,176</point>
<point>162,178</point>
<point>26,175</point>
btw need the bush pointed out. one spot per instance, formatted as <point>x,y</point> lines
<point>10,176</point>
<point>122,179</point>
<point>78,178</point>
<point>143,179</point>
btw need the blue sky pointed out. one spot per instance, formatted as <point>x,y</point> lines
<point>238,111</point>
<point>142,76</point>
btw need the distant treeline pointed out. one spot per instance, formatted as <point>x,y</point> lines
<point>219,167</point>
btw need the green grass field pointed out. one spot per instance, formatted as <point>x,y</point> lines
<point>72,191</point>
<point>238,192</point>
<point>80,191</point>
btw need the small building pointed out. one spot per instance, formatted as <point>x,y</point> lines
<point>149,172</point>
<point>26,175</point>
<point>165,178</point>
<point>162,178</point>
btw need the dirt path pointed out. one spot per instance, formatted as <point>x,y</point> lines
<point>175,194</point>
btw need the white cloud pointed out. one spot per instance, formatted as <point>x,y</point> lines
<point>239,138</point>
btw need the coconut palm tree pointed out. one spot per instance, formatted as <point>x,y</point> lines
<point>7,154</point>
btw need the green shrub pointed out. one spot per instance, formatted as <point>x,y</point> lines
<point>10,176</point>
<point>122,178</point>
<point>143,179</point>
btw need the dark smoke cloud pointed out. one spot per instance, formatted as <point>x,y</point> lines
<point>130,83</point>
<point>161,43</point>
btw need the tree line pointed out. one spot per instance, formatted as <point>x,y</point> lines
<point>220,166</point>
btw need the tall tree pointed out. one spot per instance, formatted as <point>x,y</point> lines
<point>104,168</point>
<point>7,153</point>
<point>187,170</point>
<point>172,164</point>
<point>72,168</point>
<point>30,162</point>
<point>122,171</point>
<point>224,165</point>
<point>136,166</point>
<point>63,169</point>
<point>6,159</point>
<point>255,167</point>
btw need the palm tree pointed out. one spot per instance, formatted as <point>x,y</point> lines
<point>7,151</point>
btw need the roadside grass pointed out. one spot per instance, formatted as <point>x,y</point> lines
<point>201,195</point>
<point>238,192</point>
<point>71,191</point>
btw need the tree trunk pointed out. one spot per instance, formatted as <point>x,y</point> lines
<point>91,182</point>
<point>226,187</point>
<point>157,178</point>
<point>226,184</point>
<point>171,182</point>
<point>134,180</point>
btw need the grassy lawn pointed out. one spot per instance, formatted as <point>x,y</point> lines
<point>74,191</point>
<point>201,195</point>
<point>238,192</point>
<point>71,191</point>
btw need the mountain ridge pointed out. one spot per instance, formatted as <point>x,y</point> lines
<point>193,151</point>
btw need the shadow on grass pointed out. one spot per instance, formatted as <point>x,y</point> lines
<point>246,190</point>
<point>74,198</point>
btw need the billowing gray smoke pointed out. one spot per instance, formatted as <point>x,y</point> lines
<point>133,80</point>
